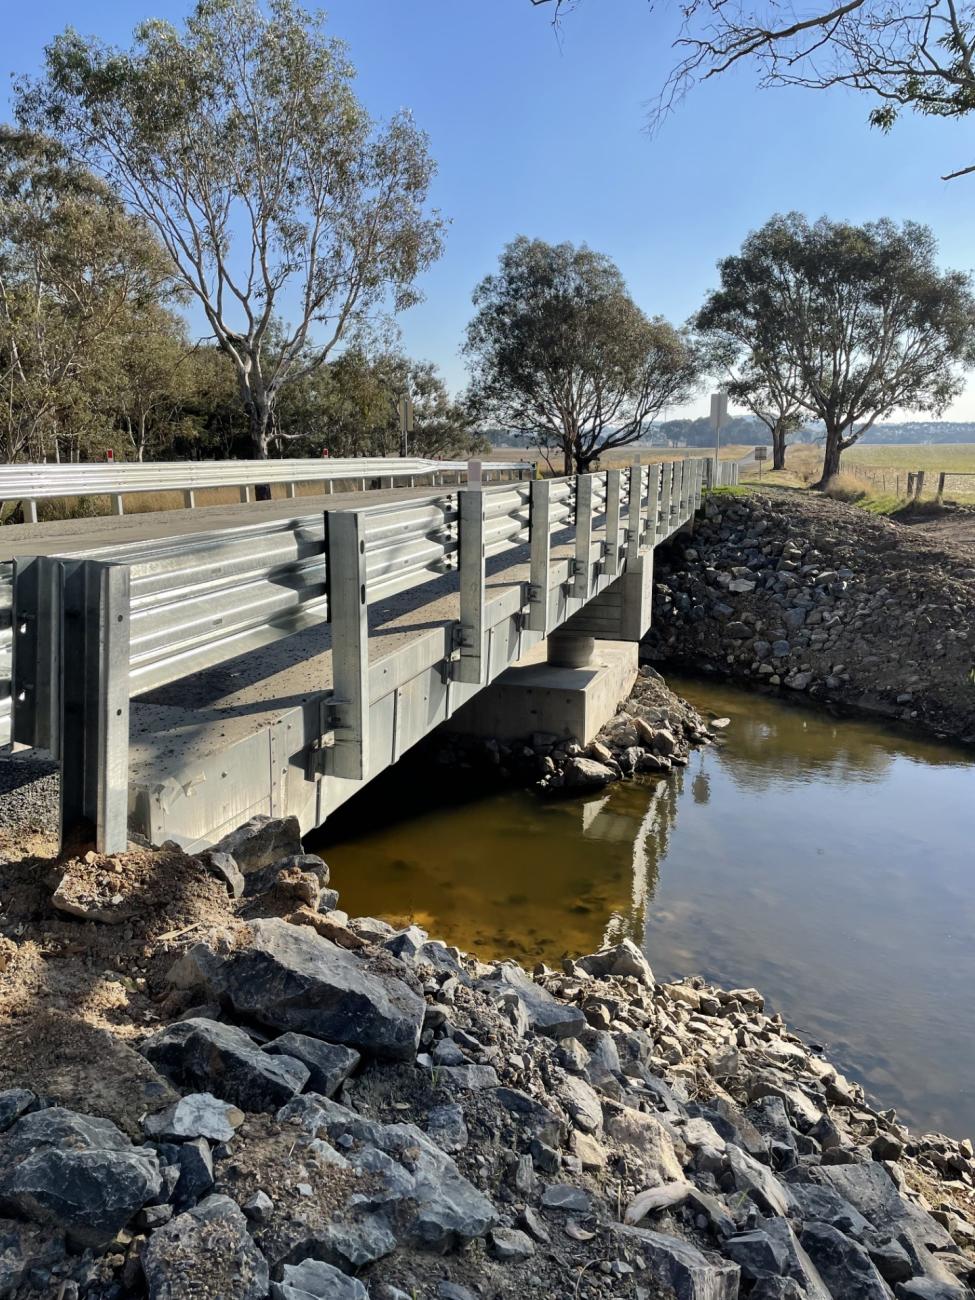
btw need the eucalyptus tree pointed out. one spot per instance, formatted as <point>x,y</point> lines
<point>75,267</point>
<point>859,320</point>
<point>560,351</point>
<point>239,140</point>
<point>755,371</point>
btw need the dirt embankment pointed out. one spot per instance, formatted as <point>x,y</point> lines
<point>815,596</point>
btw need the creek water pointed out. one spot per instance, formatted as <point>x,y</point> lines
<point>829,863</point>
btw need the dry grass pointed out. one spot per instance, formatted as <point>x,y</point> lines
<point>845,487</point>
<point>880,472</point>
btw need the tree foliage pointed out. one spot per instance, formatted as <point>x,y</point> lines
<point>240,142</point>
<point>76,273</point>
<point>560,351</point>
<point>904,55</point>
<point>855,321</point>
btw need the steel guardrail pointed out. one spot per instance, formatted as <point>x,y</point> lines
<point>93,630</point>
<point>30,483</point>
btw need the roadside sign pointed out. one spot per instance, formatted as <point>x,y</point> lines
<point>761,453</point>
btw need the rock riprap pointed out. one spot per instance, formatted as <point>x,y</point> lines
<point>400,1121</point>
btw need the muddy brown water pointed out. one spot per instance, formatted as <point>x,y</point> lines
<point>830,863</point>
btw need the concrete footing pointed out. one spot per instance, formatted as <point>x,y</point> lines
<point>535,695</point>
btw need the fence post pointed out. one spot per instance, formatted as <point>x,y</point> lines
<point>348,613</point>
<point>540,535</point>
<point>634,512</point>
<point>614,531</point>
<point>582,566</point>
<point>471,665</point>
<point>94,746</point>
<point>941,489</point>
<point>918,484</point>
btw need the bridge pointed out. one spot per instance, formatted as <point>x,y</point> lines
<point>186,683</point>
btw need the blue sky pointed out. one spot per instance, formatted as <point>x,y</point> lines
<point>544,135</point>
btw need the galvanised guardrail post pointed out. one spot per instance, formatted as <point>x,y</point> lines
<point>653,506</point>
<point>345,570</point>
<point>614,521</point>
<point>94,731</point>
<point>634,513</point>
<point>471,667</point>
<point>540,533</point>
<point>581,569</point>
<point>665,495</point>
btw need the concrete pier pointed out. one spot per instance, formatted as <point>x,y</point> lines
<point>537,694</point>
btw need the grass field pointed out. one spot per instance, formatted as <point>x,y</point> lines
<point>881,471</point>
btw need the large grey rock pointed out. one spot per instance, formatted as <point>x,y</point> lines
<point>843,1264</point>
<point>314,1280</point>
<point>870,1189</point>
<point>329,1064</point>
<point>77,1172</point>
<point>207,1251</point>
<point>581,1101</point>
<point>546,1014</point>
<point>688,1272</point>
<point>772,1250</point>
<point>290,978</point>
<point>13,1103</point>
<point>352,1244</point>
<point>197,1115</point>
<point>223,1060</point>
<point>195,1174</point>
<point>648,1144</point>
<point>820,1204</point>
<point>768,1192</point>
<point>446,1126</point>
<point>620,959</point>
<point>540,1121</point>
<point>261,841</point>
<point>441,1208</point>
<point>926,1288</point>
<point>587,774</point>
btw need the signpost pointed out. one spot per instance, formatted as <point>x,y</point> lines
<point>719,418</point>
<point>405,408</point>
<point>761,453</point>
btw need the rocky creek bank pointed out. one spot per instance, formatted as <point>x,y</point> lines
<point>815,597</point>
<point>653,731</point>
<point>216,1084</point>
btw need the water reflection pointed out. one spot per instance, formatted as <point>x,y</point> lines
<point>827,862</point>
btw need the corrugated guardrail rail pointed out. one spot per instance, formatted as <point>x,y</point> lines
<point>97,629</point>
<point>31,483</point>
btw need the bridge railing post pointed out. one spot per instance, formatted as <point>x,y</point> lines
<point>582,564</point>
<point>653,506</point>
<point>614,524</point>
<point>540,535</point>
<point>94,730</point>
<point>471,666</point>
<point>665,498</point>
<point>348,613</point>
<point>678,499</point>
<point>634,513</point>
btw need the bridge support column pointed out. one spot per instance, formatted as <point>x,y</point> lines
<point>570,649</point>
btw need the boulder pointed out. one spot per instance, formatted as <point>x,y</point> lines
<point>621,959</point>
<point>587,774</point>
<point>315,1280</point>
<point>769,1194</point>
<point>647,1141</point>
<point>772,1250</point>
<point>329,1064</point>
<point>440,1209</point>
<point>261,842</point>
<point>223,866</point>
<point>292,979</point>
<point>870,1189</point>
<point>208,1251</point>
<point>195,1174</point>
<point>223,1060</point>
<point>510,1245</point>
<point>682,1269</point>
<point>446,1126</point>
<point>198,1115</point>
<point>545,1014</point>
<point>843,1264</point>
<point>13,1103</point>
<point>77,1172</point>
